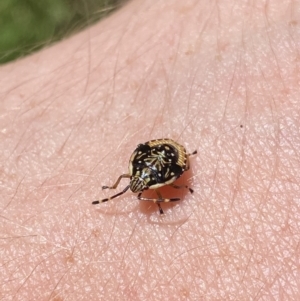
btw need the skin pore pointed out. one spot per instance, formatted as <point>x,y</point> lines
<point>221,78</point>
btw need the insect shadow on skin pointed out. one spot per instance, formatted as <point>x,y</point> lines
<point>152,165</point>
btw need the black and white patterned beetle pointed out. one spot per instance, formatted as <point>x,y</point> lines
<point>154,164</point>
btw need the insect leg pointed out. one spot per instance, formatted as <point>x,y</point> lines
<point>193,153</point>
<point>112,197</point>
<point>158,201</point>
<point>182,186</point>
<point>160,209</point>
<point>117,182</point>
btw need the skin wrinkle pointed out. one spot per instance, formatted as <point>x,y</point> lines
<point>241,176</point>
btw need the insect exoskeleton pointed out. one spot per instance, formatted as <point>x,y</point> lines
<point>154,164</point>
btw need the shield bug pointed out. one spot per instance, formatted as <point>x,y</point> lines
<point>154,164</point>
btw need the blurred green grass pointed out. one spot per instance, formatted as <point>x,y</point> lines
<point>28,25</point>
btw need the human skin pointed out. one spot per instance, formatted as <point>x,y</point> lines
<point>221,78</point>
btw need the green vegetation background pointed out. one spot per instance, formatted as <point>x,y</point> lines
<point>28,25</point>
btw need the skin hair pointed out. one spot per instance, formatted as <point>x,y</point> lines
<point>221,78</point>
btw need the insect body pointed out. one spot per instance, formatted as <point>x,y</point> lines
<point>154,164</point>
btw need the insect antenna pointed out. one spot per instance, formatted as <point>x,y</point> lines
<point>112,197</point>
